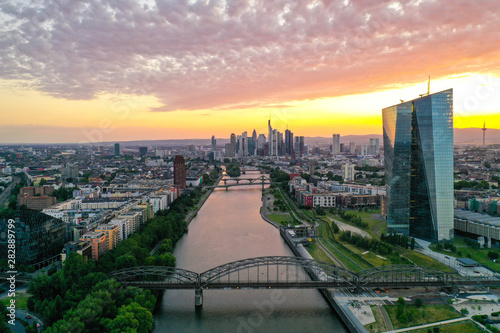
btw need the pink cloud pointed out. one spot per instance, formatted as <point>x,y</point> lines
<point>216,55</point>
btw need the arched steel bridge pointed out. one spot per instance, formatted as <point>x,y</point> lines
<point>290,273</point>
<point>230,182</point>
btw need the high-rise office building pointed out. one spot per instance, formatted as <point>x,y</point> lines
<point>374,146</point>
<point>229,150</point>
<point>117,149</point>
<point>364,150</point>
<point>336,144</point>
<point>352,148</point>
<point>270,137</point>
<point>418,157</point>
<point>252,145</point>
<point>180,172</point>
<point>301,145</point>
<point>214,142</point>
<point>39,237</point>
<point>288,142</point>
<point>281,144</point>
<point>233,141</point>
<point>143,151</point>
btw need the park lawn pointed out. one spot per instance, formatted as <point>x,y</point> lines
<point>379,324</point>
<point>21,301</point>
<point>342,258</point>
<point>366,217</point>
<point>370,257</point>
<point>348,264</point>
<point>422,260</point>
<point>479,255</point>
<point>424,315</point>
<point>462,327</point>
<point>317,253</point>
<point>283,219</point>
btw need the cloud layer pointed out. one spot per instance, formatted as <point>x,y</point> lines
<point>218,54</point>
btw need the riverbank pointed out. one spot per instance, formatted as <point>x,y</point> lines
<point>350,321</point>
<point>227,229</point>
<point>200,203</point>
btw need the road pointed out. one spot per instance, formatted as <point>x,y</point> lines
<point>6,193</point>
<point>451,261</point>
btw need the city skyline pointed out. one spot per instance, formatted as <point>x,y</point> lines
<point>231,64</point>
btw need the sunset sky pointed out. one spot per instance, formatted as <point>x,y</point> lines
<point>117,70</point>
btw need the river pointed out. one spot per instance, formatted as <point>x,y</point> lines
<point>227,228</point>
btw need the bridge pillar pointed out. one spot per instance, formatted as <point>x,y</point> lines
<point>227,188</point>
<point>198,297</point>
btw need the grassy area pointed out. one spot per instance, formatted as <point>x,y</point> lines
<point>283,219</point>
<point>348,264</point>
<point>21,301</point>
<point>462,327</point>
<point>340,253</point>
<point>423,315</point>
<point>423,260</point>
<point>367,218</point>
<point>371,257</point>
<point>317,253</point>
<point>379,324</point>
<point>479,255</point>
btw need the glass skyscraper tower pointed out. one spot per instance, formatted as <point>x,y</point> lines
<point>418,155</point>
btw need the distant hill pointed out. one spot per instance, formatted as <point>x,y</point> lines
<point>475,136</point>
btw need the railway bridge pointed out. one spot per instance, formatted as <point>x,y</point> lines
<point>277,272</point>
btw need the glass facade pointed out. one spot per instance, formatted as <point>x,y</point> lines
<point>38,236</point>
<point>418,149</point>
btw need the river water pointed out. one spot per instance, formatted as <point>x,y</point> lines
<point>227,228</point>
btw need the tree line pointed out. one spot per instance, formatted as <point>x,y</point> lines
<point>80,297</point>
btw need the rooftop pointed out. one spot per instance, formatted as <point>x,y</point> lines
<point>477,217</point>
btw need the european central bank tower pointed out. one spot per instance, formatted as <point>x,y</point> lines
<point>418,157</point>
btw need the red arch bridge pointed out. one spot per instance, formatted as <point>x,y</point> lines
<point>291,273</point>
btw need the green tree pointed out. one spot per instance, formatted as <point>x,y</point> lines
<point>419,302</point>
<point>126,261</point>
<point>43,181</point>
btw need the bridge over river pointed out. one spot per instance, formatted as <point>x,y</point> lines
<point>291,273</point>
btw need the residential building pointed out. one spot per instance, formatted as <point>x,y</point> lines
<point>83,248</point>
<point>112,234</point>
<point>98,241</point>
<point>180,172</point>
<point>348,171</point>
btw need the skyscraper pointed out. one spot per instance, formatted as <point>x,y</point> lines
<point>374,146</point>
<point>418,150</point>
<point>117,149</point>
<point>143,151</point>
<point>336,144</point>
<point>233,142</point>
<point>301,145</point>
<point>180,172</point>
<point>214,142</point>
<point>288,142</point>
<point>252,144</point>
<point>270,137</point>
<point>352,148</point>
